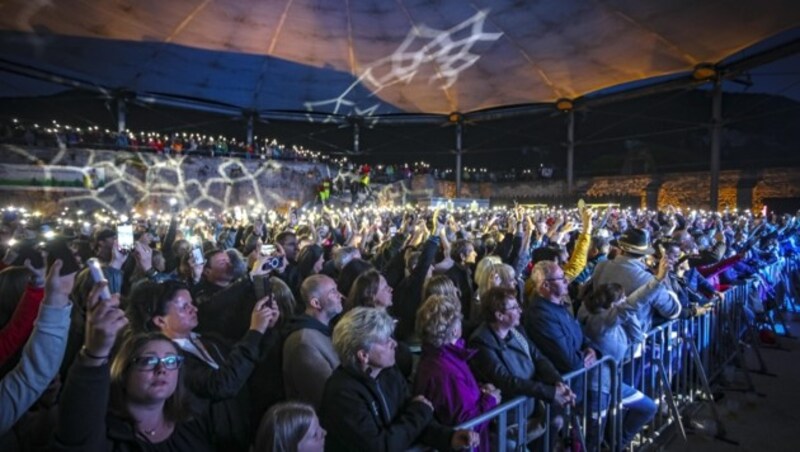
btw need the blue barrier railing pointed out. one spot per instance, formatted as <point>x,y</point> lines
<point>678,361</point>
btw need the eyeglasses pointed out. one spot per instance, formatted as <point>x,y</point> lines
<point>170,362</point>
<point>560,278</point>
<point>516,307</point>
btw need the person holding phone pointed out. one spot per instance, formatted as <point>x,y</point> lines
<point>137,402</point>
<point>42,354</point>
<point>215,371</point>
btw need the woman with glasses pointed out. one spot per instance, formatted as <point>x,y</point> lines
<point>216,372</point>
<point>509,360</point>
<point>134,401</point>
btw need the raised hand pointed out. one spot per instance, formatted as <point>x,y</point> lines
<point>264,315</point>
<point>104,320</point>
<point>56,287</point>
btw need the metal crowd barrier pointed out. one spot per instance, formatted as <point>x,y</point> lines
<point>674,366</point>
<point>499,415</point>
<point>593,420</point>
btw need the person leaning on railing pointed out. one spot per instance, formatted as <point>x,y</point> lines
<point>509,360</point>
<point>443,375</point>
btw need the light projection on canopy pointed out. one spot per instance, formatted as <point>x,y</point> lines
<point>372,57</point>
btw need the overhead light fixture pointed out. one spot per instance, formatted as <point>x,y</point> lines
<point>564,104</point>
<point>455,117</point>
<point>704,71</point>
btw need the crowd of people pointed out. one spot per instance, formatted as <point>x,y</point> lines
<point>179,143</point>
<point>378,328</point>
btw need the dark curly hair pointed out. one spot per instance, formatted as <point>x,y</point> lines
<point>149,299</point>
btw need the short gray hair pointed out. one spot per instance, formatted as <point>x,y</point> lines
<point>541,271</point>
<point>357,330</point>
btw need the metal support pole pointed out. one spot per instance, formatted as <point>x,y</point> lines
<point>356,137</point>
<point>250,121</point>
<point>121,115</point>
<point>570,150</point>
<point>716,136</point>
<point>458,159</point>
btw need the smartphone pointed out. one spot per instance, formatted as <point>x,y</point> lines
<point>267,250</point>
<point>59,249</point>
<point>197,256</point>
<point>96,270</point>
<point>262,286</point>
<point>125,237</point>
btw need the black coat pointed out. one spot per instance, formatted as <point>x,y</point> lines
<point>462,278</point>
<point>86,425</point>
<point>514,370</point>
<point>223,392</point>
<point>376,415</point>
<point>408,294</point>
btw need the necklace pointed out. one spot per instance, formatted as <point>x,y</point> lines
<point>151,432</point>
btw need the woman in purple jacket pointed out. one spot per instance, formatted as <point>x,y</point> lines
<point>443,375</point>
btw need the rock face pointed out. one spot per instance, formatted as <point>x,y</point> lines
<point>150,180</point>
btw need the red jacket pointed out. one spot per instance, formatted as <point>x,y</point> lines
<point>17,331</point>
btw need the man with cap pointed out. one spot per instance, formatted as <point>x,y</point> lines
<point>629,270</point>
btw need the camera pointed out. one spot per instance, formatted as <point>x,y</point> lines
<point>272,263</point>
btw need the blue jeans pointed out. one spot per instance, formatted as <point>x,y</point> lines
<point>638,410</point>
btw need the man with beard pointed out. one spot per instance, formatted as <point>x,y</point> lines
<point>308,354</point>
<point>287,240</point>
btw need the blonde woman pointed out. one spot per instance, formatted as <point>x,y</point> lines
<point>443,375</point>
<point>440,285</point>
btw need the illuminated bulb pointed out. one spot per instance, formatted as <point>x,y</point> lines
<point>49,235</point>
<point>173,201</point>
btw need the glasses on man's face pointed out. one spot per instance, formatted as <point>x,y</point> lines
<point>169,362</point>
<point>560,278</point>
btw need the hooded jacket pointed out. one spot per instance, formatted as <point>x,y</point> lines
<point>612,330</point>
